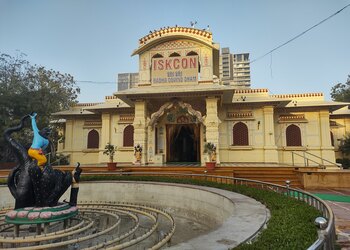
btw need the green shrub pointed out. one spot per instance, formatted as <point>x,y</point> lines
<point>344,162</point>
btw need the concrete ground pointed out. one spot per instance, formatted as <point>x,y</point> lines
<point>339,201</point>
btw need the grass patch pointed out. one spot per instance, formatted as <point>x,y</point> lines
<point>3,181</point>
<point>291,225</point>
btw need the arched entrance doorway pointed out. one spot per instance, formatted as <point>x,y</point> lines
<point>182,125</point>
<point>182,143</point>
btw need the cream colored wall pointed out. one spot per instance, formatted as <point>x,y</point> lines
<point>123,154</point>
<point>76,142</point>
<point>314,135</point>
<point>76,139</point>
<point>114,134</point>
<point>252,153</point>
<point>112,131</point>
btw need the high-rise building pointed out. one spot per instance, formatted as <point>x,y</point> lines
<point>127,80</point>
<point>234,68</point>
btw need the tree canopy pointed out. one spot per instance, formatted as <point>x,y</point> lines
<point>341,91</point>
<point>26,88</point>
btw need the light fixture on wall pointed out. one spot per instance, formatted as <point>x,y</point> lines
<point>258,125</point>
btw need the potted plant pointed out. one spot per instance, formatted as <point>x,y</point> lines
<point>110,151</point>
<point>210,149</point>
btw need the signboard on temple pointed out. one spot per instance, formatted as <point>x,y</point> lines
<point>172,70</point>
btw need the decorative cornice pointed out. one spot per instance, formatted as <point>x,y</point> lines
<point>240,115</point>
<point>93,123</point>
<point>292,118</point>
<point>175,30</point>
<point>126,117</point>
<point>87,104</point>
<point>110,97</point>
<point>207,81</point>
<point>298,95</point>
<point>249,91</point>
<point>171,95</point>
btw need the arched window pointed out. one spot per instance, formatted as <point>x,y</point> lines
<point>128,136</point>
<point>191,53</point>
<point>174,54</point>
<point>293,135</point>
<point>332,139</point>
<point>157,56</point>
<point>93,139</point>
<point>240,134</point>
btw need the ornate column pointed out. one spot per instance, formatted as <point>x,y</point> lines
<point>151,144</point>
<point>212,125</point>
<point>68,143</point>
<point>104,136</point>
<point>327,150</point>
<point>140,128</point>
<point>270,148</point>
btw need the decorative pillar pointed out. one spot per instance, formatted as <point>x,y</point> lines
<point>151,144</point>
<point>270,148</point>
<point>69,136</point>
<point>212,125</point>
<point>327,150</point>
<point>104,136</point>
<point>140,128</point>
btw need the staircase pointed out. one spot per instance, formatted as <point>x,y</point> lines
<point>273,174</point>
<point>276,175</point>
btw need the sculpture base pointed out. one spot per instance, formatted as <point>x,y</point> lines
<point>38,215</point>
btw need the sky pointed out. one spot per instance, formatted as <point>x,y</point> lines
<point>93,39</point>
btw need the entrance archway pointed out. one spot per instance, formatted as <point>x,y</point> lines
<point>182,143</point>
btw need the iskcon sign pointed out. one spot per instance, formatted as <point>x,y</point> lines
<point>175,70</point>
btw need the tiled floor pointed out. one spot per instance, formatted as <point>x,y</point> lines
<point>342,215</point>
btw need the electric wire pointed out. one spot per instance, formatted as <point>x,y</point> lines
<point>299,35</point>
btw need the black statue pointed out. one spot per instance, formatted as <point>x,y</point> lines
<point>33,182</point>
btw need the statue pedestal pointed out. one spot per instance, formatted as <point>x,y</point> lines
<point>39,215</point>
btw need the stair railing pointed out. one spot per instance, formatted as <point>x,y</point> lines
<point>307,160</point>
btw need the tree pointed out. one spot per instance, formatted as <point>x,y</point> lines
<point>341,91</point>
<point>345,145</point>
<point>25,88</point>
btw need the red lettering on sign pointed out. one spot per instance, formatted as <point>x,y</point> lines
<point>176,63</point>
<point>168,64</point>
<point>193,62</point>
<point>160,64</point>
<point>184,63</point>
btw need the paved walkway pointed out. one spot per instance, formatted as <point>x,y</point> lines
<point>339,201</point>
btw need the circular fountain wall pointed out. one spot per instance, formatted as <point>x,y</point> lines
<point>205,218</point>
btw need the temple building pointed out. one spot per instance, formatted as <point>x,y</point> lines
<point>181,102</point>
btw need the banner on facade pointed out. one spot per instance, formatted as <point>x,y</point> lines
<point>180,69</point>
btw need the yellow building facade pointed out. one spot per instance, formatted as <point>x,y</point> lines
<point>180,104</point>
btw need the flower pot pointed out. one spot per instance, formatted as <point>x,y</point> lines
<point>210,165</point>
<point>111,166</point>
